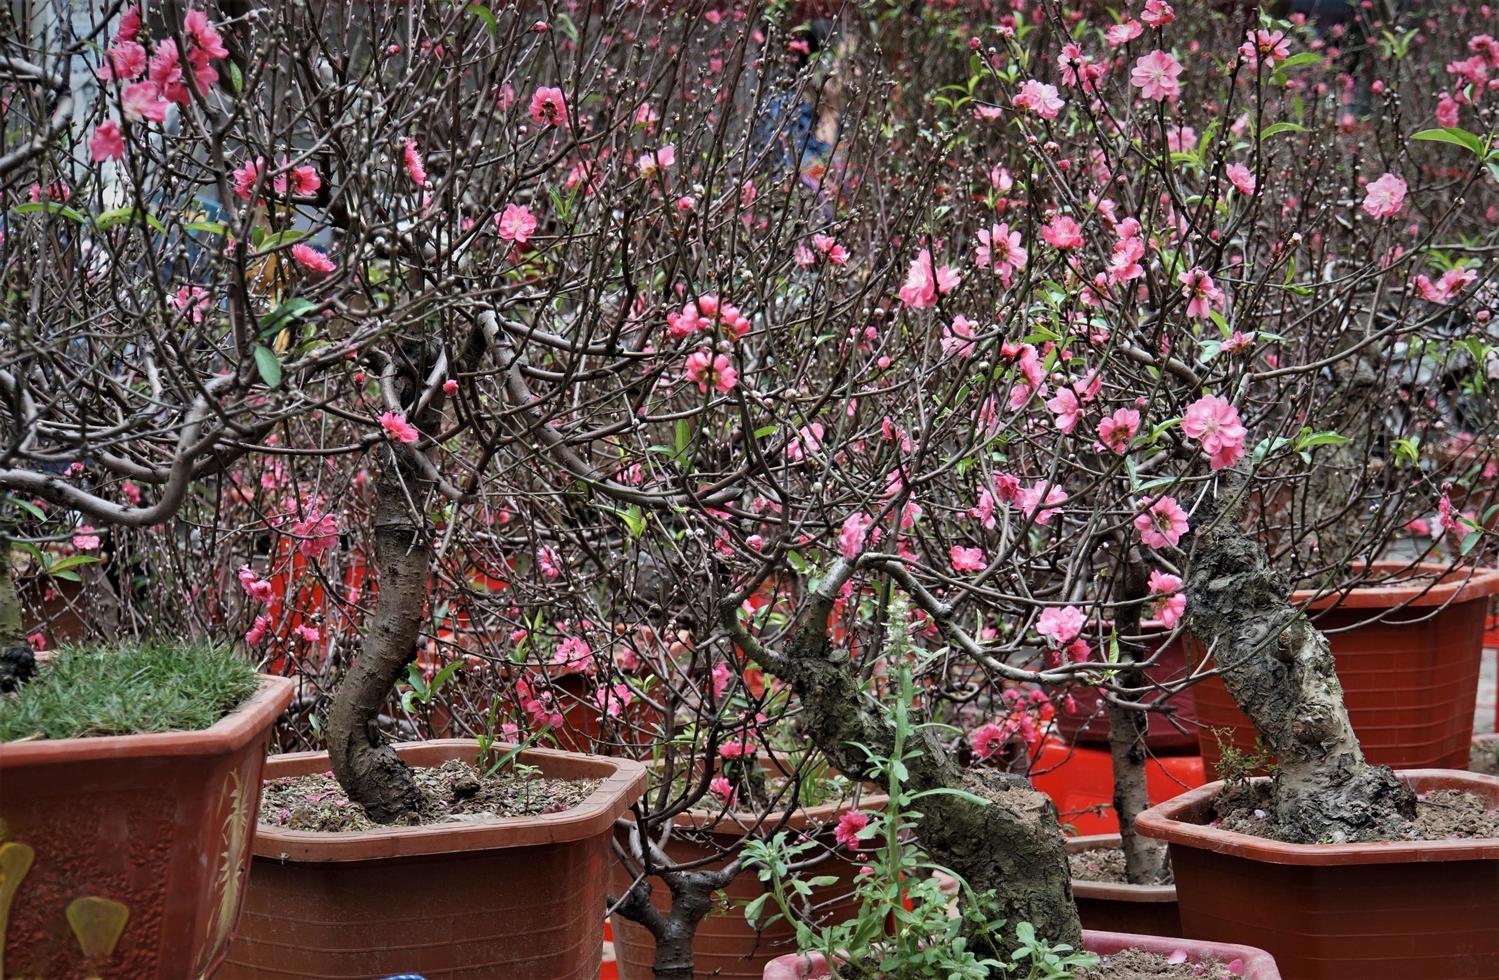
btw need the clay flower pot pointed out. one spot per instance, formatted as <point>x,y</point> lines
<point>124,857</point>
<point>1086,722</point>
<point>1118,907</point>
<point>1080,781</point>
<point>1407,909</point>
<point>1409,680</point>
<point>514,897</point>
<point>725,945</point>
<point>1256,963</point>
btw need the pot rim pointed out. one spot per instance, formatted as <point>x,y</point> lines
<point>1446,584</point>
<point>1170,821</point>
<point>229,734</point>
<point>622,782</point>
<point>1116,891</point>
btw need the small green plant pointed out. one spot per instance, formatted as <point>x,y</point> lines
<point>1235,767</point>
<point>127,690</point>
<point>933,935</point>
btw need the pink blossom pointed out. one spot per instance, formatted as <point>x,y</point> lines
<point>1155,75</point>
<point>107,143</point>
<point>1201,293</point>
<point>1062,232</point>
<point>1242,178</point>
<point>84,538</point>
<point>988,740</point>
<point>957,339</point>
<point>254,586</point>
<point>549,106</point>
<point>548,562</point>
<point>257,632</point>
<point>1162,523</point>
<point>312,259</point>
<point>925,281</point>
<point>246,176</point>
<point>1262,45</point>
<point>1157,13</point>
<point>308,634</point>
<point>517,223</point>
<point>1173,604</point>
<point>1000,251</point>
<point>143,101</point>
<point>318,534</point>
<point>1039,98</point>
<point>723,790</point>
<point>614,699</point>
<point>736,749</point>
<point>1385,197</point>
<point>1061,625</point>
<point>808,439</point>
<point>1118,429</point>
<point>124,60</point>
<point>829,248</point>
<point>304,180</point>
<point>397,428</point>
<point>707,368</point>
<point>1122,33</point>
<point>967,559</point>
<point>708,314</point>
<point>1448,111</point>
<point>1215,424</point>
<point>192,301</point>
<point>450,387</point>
<point>654,162</point>
<point>855,530</point>
<point>416,167</point>
<point>573,653</point>
<point>1065,408</point>
<point>1041,500</point>
<point>849,826</point>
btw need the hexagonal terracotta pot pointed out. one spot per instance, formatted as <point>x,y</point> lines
<point>1416,910</point>
<point>124,857</point>
<point>519,897</point>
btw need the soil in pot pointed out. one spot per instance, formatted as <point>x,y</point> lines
<point>1441,814</point>
<point>476,896</point>
<point>455,791</point>
<point>1139,964</point>
<point>1107,901</point>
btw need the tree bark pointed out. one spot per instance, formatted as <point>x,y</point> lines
<point>1012,846</point>
<point>17,661</point>
<point>1144,859</point>
<point>368,769</point>
<point>1279,670</point>
<point>691,899</point>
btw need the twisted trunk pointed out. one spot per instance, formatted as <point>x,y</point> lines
<point>1279,670</point>
<point>368,769</point>
<point>691,899</point>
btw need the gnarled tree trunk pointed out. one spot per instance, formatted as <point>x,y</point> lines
<point>1012,846</point>
<point>1279,670</point>
<point>368,769</point>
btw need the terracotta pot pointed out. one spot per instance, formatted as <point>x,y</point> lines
<point>725,945</point>
<point>1407,909</point>
<point>1115,907</point>
<point>1080,781</point>
<point>124,857</point>
<point>1256,964</point>
<point>1409,681</point>
<point>520,898</point>
<point>1087,722</point>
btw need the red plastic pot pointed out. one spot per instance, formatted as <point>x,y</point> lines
<point>1407,909</point>
<point>520,898</point>
<point>1080,781</point>
<point>1116,907</point>
<point>1409,680</point>
<point>725,945</point>
<point>124,857</point>
<point>1086,722</point>
<point>1256,964</point>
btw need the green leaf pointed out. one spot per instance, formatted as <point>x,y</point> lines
<point>117,216</point>
<point>51,207</point>
<point>1454,136</point>
<point>1275,129</point>
<point>28,507</point>
<point>71,561</point>
<point>283,316</point>
<point>269,365</point>
<point>279,239</point>
<point>1310,440</point>
<point>236,80</point>
<point>1298,60</point>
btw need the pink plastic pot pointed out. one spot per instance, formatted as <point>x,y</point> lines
<point>1256,963</point>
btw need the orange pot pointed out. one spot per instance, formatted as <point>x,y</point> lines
<point>1118,907</point>
<point>1080,781</point>
<point>1416,910</point>
<point>123,857</point>
<point>1410,679</point>
<point>521,897</point>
